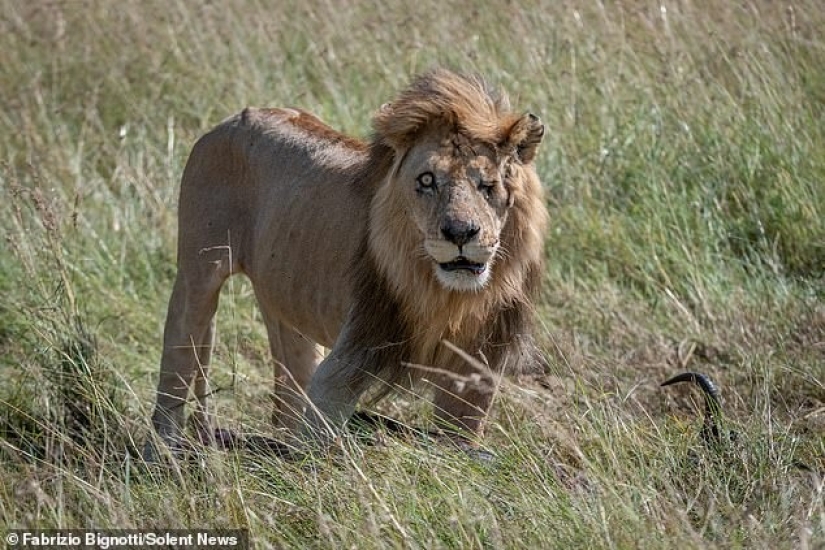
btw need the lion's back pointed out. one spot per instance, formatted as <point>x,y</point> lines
<point>276,187</point>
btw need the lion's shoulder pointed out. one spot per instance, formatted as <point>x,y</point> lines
<point>301,126</point>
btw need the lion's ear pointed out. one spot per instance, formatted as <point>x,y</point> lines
<point>394,129</point>
<point>524,137</point>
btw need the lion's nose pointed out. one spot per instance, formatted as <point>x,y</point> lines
<point>459,232</point>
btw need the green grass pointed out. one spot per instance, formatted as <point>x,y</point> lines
<point>684,168</point>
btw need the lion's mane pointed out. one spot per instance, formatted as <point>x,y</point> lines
<point>403,311</point>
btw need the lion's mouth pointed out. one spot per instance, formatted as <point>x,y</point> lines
<point>463,264</point>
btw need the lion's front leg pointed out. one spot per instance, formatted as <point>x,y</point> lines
<point>462,402</point>
<point>337,385</point>
<point>332,397</point>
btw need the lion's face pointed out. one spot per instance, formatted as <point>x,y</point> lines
<point>455,194</point>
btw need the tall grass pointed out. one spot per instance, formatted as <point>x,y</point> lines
<point>684,168</point>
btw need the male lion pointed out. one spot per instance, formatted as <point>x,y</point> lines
<point>382,251</point>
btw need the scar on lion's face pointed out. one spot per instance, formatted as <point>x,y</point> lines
<point>459,205</point>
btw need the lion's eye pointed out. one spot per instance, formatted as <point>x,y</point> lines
<point>487,186</point>
<point>426,180</point>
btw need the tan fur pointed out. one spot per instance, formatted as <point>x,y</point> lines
<point>348,247</point>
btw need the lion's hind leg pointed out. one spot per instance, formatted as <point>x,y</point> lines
<point>187,349</point>
<point>295,359</point>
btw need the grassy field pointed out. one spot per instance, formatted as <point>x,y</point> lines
<point>685,173</point>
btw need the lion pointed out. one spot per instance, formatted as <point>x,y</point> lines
<point>395,253</point>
